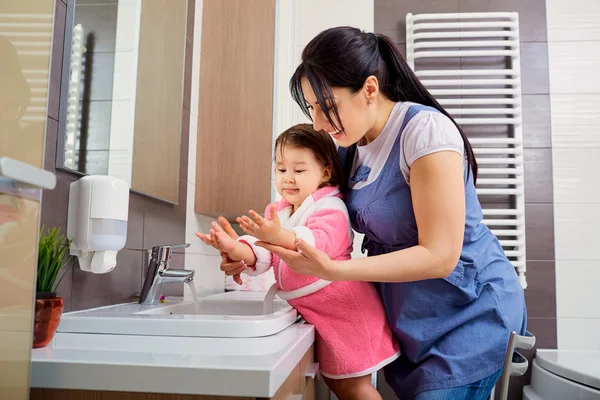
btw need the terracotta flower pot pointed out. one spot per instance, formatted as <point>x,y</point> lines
<point>48,309</point>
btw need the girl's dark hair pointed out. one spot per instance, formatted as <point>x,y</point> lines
<point>344,57</point>
<point>320,143</point>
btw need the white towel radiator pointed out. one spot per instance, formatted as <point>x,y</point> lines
<point>479,97</point>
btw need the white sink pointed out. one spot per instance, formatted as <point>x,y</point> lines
<point>225,315</point>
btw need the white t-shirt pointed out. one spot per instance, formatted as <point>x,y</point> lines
<point>426,133</point>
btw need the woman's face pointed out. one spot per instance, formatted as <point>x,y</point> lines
<point>357,113</point>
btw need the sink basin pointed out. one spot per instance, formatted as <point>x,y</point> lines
<point>225,315</point>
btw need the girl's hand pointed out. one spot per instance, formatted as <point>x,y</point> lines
<point>219,237</point>
<point>260,228</point>
<point>306,261</point>
<point>228,266</point>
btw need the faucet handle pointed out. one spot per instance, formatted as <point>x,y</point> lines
<point>179,246</point>
<point>163,253</point>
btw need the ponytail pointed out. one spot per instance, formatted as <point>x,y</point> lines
<point>401,84</point>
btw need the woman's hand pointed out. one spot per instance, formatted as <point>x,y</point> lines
<point>260,228</point>
<point>232,268</point>
<point>306,261</point>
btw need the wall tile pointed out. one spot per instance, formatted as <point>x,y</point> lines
<point>532,15</point>
<point>50,144</point>
<point>98,81</point>
<point>544,330</point>
<point>576,231</point>
<point>99,22</point>
<point>65,287</point>
<point>577,288</point>
<point>197,48</point>
<point>164,223</point>
<point>540,295</point>
<point>185,145</point>
<point>95,162</point>
<point>135,222</point>
<point>576,175</point>
<point>191,14</point>
<point>126,27</point>
<point>314,16</point>
<point>208,275</point>
<point>95,124</point>
<point>125,71</point>
<point>55,202</point>
<point>187,74</point>
<point>539,232</point>
<point>118,286</point>
<point>536,120</point>
<point>576,20</point>
<point>192,149</point>
<point>534,68</point>
<point>579,334</point>
<point>197,223</point>
<point>575,67</point>
<point>575,120</point>
<point>119,125</point>
<point>538,175</point>
<point>56,60</point>
<point>390,15</point>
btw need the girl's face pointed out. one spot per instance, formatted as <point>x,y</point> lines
<point>298,174</point>
<point>358,113</point>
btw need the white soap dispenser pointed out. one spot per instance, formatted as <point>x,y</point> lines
<point>97,221</point>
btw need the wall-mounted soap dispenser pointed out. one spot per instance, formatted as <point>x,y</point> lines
<point>97,221</point>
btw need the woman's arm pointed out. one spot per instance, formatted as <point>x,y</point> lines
<point>438,197</point>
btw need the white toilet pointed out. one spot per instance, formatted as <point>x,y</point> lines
<point>564,375</point>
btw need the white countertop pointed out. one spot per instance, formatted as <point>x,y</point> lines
<point>254,367</point>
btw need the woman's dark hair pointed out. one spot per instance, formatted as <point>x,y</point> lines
<point>344,57</point>
<point>320,143</point>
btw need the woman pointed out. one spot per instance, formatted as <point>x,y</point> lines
<point>450,294</point>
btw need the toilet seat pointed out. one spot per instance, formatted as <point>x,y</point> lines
<point>578,366</point>
<point>562,375</point>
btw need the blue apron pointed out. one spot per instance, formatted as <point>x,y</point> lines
<point>452,331</point>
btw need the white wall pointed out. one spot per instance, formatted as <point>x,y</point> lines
<point>574,57</point>
<point>202,258</point>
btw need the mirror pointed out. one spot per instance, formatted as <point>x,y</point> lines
<point>122,92</point>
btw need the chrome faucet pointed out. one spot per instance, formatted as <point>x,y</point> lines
<point>159,273</point>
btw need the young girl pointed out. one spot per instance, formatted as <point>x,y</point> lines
<point>353,338</point>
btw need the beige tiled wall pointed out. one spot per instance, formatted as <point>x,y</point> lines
<point>574,58</point>
<point>25,38</point>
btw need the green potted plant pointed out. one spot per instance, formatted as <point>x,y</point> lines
<point>53,257</point>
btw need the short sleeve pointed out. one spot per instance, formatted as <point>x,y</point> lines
<point>427,133</point>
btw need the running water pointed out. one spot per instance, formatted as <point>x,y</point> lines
<point>194,296</point>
